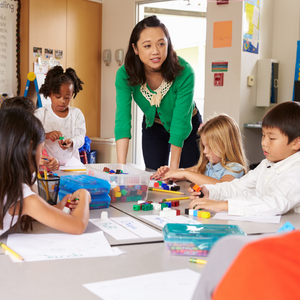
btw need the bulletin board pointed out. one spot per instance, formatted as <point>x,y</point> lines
<point>10,47</point>
<point>251,26</point>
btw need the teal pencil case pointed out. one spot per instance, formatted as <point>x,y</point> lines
<point>195,239</point>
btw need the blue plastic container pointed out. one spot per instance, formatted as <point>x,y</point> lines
<point>98,201</point>
<point>96,186</point>
<point>195,240</point>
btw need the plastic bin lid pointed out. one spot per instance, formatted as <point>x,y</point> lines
<point>96,186</point>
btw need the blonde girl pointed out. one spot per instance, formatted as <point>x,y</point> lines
<point>222,155</point>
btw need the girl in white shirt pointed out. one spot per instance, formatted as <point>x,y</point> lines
<point>21,143</point>
<point>59,119</point>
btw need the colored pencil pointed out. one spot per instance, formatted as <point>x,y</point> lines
<point>11,251</point>
<point>40,177</point>
<point>175,199</point>
<point>46,183</point>
<point>165,191</point>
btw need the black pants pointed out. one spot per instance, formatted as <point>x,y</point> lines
<point>156,147</point>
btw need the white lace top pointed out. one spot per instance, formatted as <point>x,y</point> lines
<point>161,91</point>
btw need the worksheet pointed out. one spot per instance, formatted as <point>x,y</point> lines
<point>259,219</point>
<point>137,227</point>
<point>39,247</point>
<point>114,229</point>
<point>162,221</point>
<point>175,285</point>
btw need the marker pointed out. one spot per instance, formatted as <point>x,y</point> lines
<point>11,251</point>
<point>198,261</point>
<point>46,159</point>
<point>175,199</point>
<point>165,191</point>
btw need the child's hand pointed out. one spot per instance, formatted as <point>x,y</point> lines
<point>174,175</point>
<point>208,204</point>
<point>65,144</point>
<point>195,195</point>
<point>53,135</point>
<point>160,172</point>
<point>53,164</point>
<point>64,201</point>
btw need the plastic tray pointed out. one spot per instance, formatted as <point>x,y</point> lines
<point>98,201</point>
<point>195,240</point>
<point>132,186</point>
<point>95,186</point>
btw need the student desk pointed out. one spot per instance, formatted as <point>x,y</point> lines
<point>39,228</point>
<point>248,227</point>
<point>63,279</point>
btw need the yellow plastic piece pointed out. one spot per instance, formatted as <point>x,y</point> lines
<point>203,214</point>
<point>118,194</point>
<point>31,76</point>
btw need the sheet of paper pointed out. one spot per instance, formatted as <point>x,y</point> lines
<point>222,34</point>
<point>39,247</point>
<point>73,163</point>
<point>162,221</point>
<point>114,229</point>
<point>255,16</point>
<point>175,285</point>
<point>183,220</point>
<point>157,220</point>
<point>258,219</point>
<point>137,227</point>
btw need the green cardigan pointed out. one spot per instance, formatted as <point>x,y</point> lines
<point>175,109</point>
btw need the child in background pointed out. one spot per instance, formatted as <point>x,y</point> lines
<point>60,120</point>
<point>222,155</point>
<point>50,162</point>
<point>273,186</point>
<point>24,133</point>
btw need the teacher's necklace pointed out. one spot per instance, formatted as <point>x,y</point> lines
<point>159,93</point>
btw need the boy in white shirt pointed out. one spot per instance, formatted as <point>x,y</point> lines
<point>273,187</point>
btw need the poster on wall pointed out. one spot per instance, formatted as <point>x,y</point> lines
<point>251,26</point>
<point>9,44</point>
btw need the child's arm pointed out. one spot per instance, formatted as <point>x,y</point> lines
<point>195,177</point>
<point>163,171</point>
<point>75,223</point>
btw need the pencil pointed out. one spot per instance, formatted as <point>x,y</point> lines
<point>40,177</point>
<point>11,251</point>
<point>81,170</point>
<point>175,199</point>
<point>46,183</point>
<point>165,191</point>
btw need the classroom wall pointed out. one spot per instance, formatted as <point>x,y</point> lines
<point>278,35</point>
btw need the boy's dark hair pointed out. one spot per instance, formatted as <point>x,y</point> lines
<point>20,134</point>
<point>133,65</point>
<point>21,102</point>
<point>56,77</point>
<point>286,117</point>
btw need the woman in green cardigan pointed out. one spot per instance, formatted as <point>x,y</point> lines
<point>162,85</point>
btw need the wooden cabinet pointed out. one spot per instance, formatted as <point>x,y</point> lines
<point>75,27</point>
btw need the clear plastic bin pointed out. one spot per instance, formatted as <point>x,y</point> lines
<point>132,186</point>
<point>195,240</point>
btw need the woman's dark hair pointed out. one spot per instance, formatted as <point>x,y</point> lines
<point>20,134</point>
<point>286,117</point>
<point>56,77</point>
<point>133,65</point>
<point>21,102</point>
